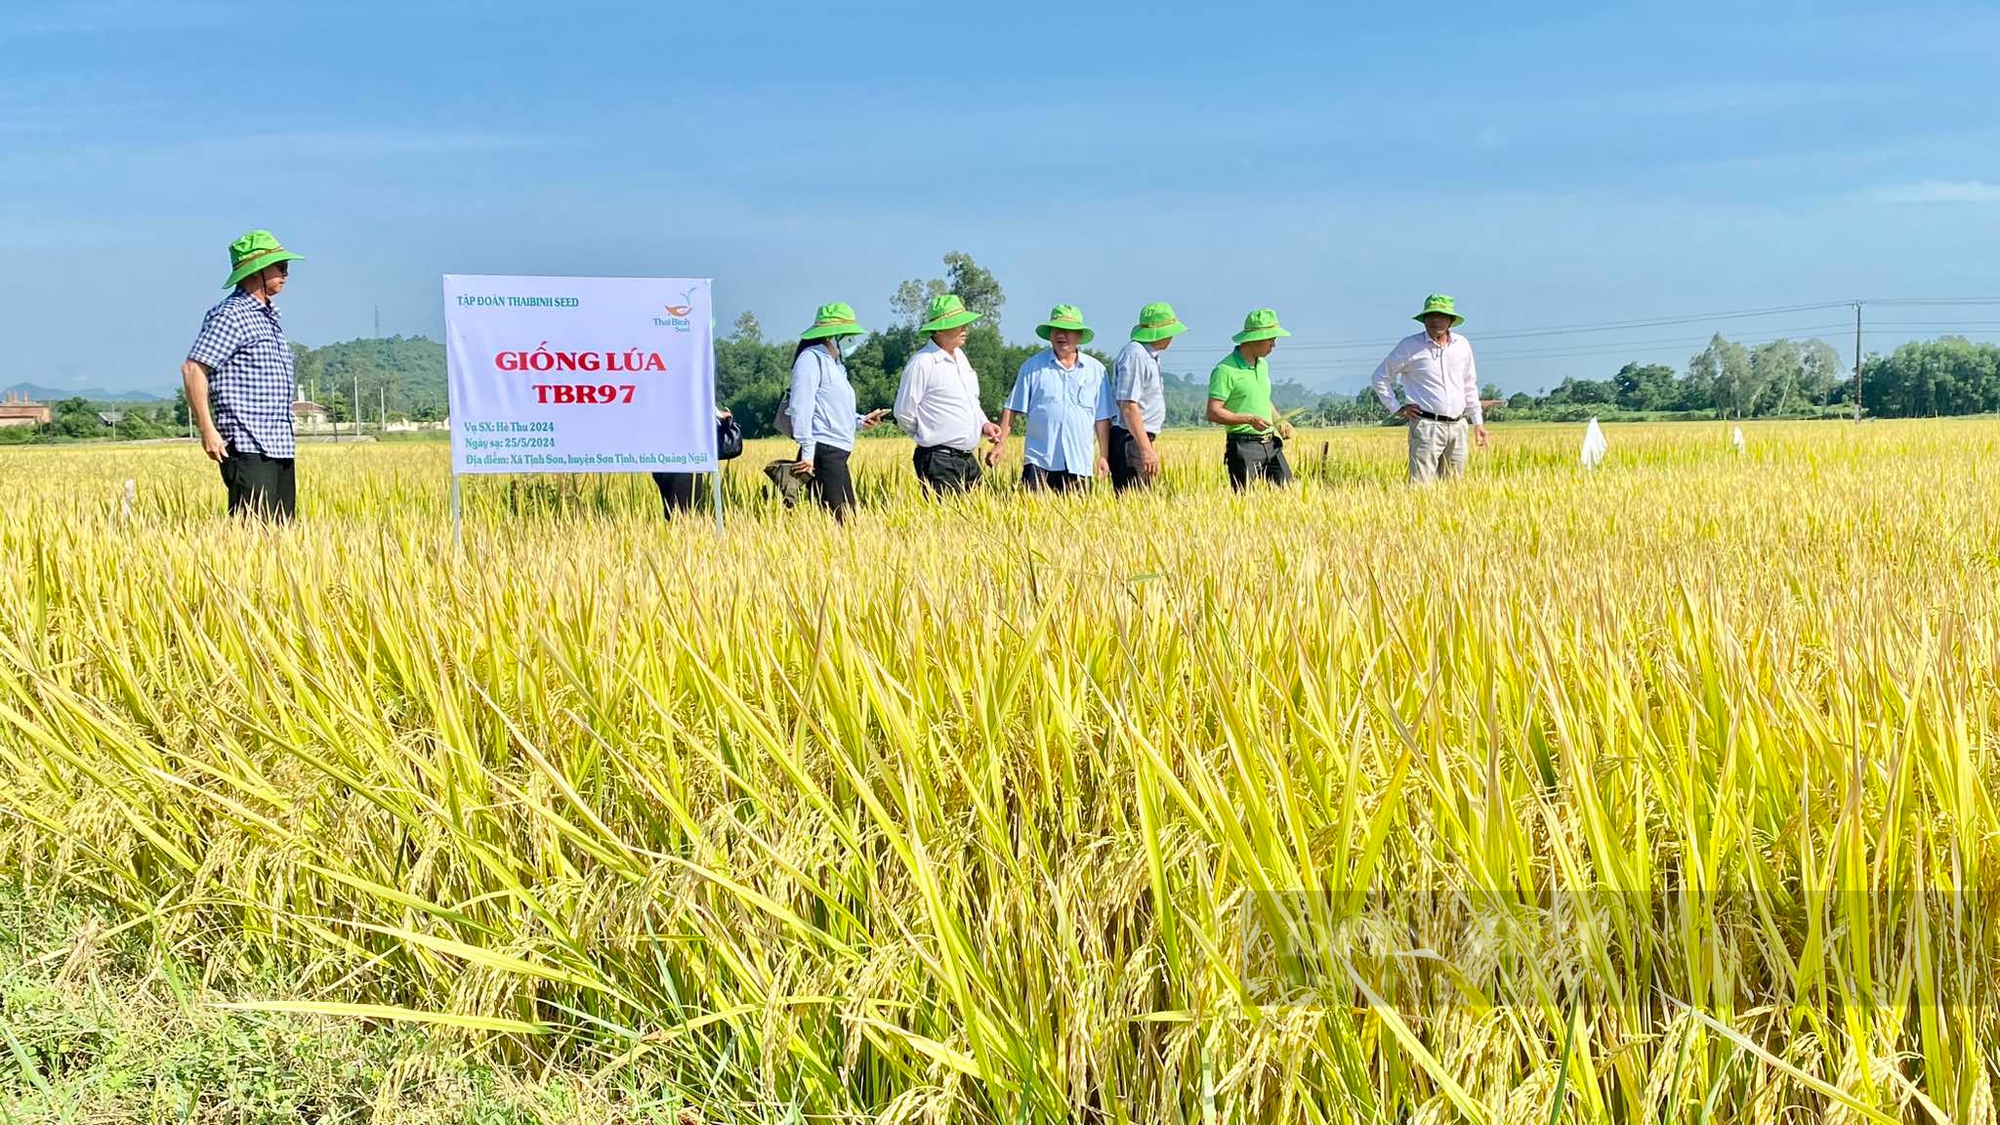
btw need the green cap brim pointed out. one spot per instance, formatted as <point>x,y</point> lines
<point>947,323</point>
<point>1158,332</point>
<point>1088,333</point>
<point>262,262</point>
<point>823,331</point>
<point>1259,334</point>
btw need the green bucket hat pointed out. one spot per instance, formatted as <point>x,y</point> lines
<point>947,311</point>
<point>1260,325</point>
<point>255,251</point>
<point>1441,303</point>
<point>1068,317</point>
<point>1157,322</point>
<point>836,319</point>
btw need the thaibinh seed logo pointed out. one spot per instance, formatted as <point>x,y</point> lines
<point>677,315</point>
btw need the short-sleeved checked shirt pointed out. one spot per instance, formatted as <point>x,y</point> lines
<point>1135,377</point>
<point>250,385</point>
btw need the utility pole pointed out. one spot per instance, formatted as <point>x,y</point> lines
<point>1857,361</point>
<point>357,404</point>
<point>384,391</point>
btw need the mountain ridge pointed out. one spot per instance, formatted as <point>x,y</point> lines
<point>40,393</point>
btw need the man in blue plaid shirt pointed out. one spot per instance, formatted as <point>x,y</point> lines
<point>239,382</point>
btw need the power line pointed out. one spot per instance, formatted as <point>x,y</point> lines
<point>1877,329</point>
<point>1330,365</point>
<point>1681,341</point>
<point>1572,329</point>
<point>1663,322</point>
<point>1933,301</point>
<point>1298,345</point>
<point>1312,359</point>
<point>1582,351</point>
<point>1581,348</point>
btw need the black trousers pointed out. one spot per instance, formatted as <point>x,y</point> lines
<point>1127,467</point>
<point>676,492</point>
<point>831,484</point>
<point>1043,480</point>
<point>260,485</point>
<point>945,470</point>
<point>1256,457</point>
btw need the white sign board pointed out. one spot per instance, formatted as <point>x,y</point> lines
<point>580,374</point>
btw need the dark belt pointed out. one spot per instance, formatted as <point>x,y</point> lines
<point>1261,439</point>
<point>1150,435</point>
<point>944,450</point>
<point>1429,417</point>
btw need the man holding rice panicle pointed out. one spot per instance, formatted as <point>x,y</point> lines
<point>1239,397</point>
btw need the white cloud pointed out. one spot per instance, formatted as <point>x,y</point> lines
<point>1941,191</point>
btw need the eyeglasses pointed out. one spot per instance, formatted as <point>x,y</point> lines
<point>284,269</point>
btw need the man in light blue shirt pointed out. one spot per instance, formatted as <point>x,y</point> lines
<point>1067,401</point>
<point>1140,396</point>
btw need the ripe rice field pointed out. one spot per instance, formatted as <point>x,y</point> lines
<point>1658,793</point>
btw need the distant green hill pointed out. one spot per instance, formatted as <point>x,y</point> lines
<point>39,393</point>
<point>409,368</point>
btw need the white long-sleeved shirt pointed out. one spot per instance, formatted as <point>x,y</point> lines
<point>938,401</point>
<point>1439,378</point>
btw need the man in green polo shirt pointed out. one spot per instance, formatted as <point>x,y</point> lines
<point>1239,397</point>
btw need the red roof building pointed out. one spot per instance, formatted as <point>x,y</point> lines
<point>16,409</point>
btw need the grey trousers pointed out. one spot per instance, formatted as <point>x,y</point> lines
<point>1437,449</point>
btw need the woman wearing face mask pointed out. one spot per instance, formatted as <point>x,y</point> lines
<point>822,406</point>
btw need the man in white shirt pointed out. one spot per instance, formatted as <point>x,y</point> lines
<point>938,401</point>
<point>1440,391</point>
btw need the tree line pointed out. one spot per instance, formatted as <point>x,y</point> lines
<point>74,419</point>
<point>1726,379</point>
<point>1923,378</point>
<point>1787,378</point>
<point>1779,378</point>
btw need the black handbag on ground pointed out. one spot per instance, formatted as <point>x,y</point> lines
<point>728,439</point>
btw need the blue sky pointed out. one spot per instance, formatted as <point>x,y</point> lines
<point>1571,164</point>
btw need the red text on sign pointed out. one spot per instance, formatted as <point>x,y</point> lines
<point>584,394</point>
<point>542,359</point>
